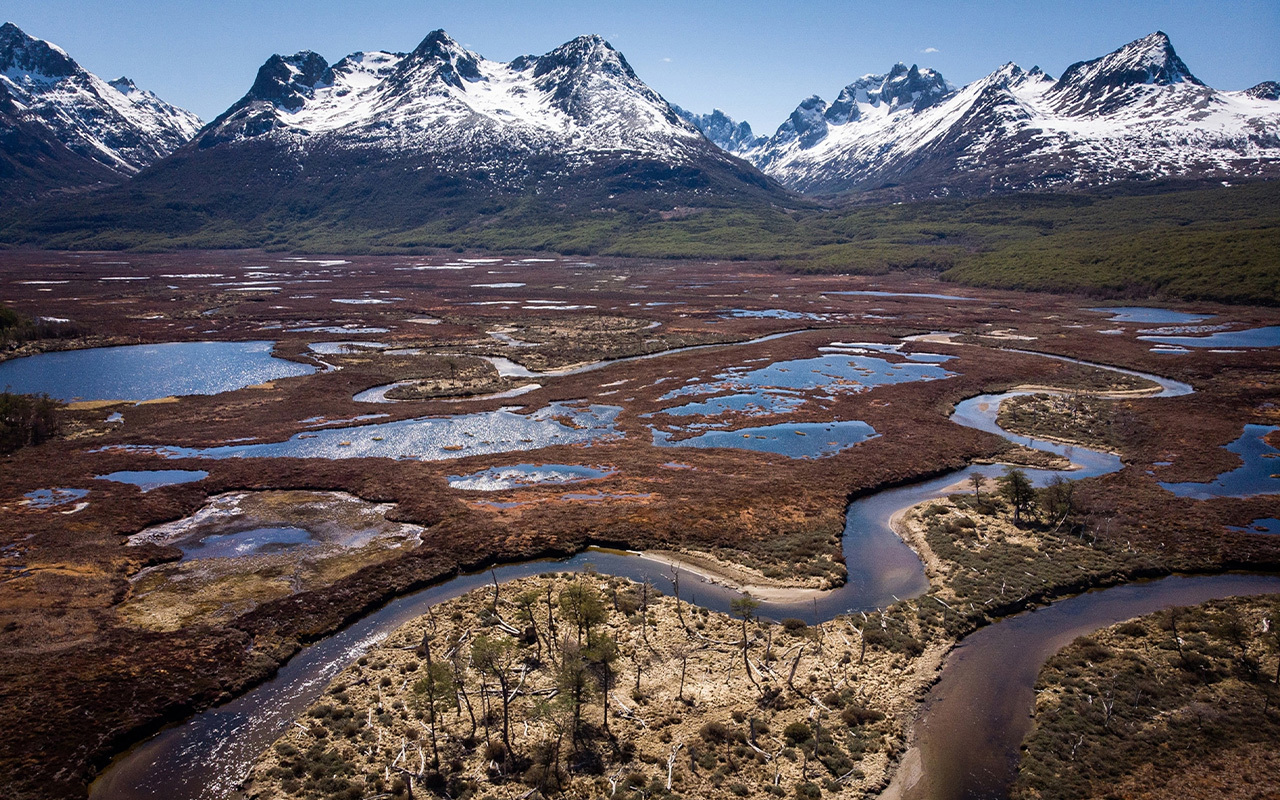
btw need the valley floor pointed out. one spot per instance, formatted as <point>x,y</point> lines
<point>601,353</point>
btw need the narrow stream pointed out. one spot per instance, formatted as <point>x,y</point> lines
<point>205,757</point>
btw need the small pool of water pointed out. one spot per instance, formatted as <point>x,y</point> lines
<point>148,371</point>
<point>345,348</point>
<point>773,313</point>
<point>341,330</point>
<point>793,440</point>
<point>1257,475</point>
<point>148,479</point>
<point>1254,337</point>
<point>844,372</point>
<point>246,543</point>
<point>428,438</point>
<point>519,475</point>
<point>1264,525</point>
<point>755,404</point>
<point>52,498</point>
<point>1147,314</point>
<point>779,388</point>
<point>870,293</point>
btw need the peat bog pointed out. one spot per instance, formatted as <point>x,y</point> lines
<point>89,667</point>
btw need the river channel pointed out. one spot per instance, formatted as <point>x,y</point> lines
<point>209,754</point>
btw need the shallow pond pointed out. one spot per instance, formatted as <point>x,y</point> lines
<point>246,543</point>
<point>520,475</point>
<point>428,438</point>
<point>1146,314</point>
<point>1254,337</point>
<point>52,498</point>
<point>1257,475</point>
<point>148,371</point>
<point>753,404</point>
<point>148,479</point>
<point>793,440</point>
<point>345,348</point>
<point>869,293</point>
<point>773,313</point>
<point>1264,525</point>
<point>779,388</point>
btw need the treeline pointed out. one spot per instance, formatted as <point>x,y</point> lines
<point>16,329</point>
<point>26,420</point>
<point>1220,243</point>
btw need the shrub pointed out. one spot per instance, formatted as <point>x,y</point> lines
<point>797,733</point>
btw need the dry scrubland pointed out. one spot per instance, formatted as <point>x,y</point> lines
<point>799,711</point>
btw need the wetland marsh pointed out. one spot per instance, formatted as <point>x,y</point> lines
<point>895,385</point>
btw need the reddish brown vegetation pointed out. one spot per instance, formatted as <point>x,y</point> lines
<point>76,684</point>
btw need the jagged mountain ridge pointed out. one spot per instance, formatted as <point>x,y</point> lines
<point>63,127</point>
<point>581,101</point>
<point>1134,114</point>
<point>407,139</point>
<point>723,131</point>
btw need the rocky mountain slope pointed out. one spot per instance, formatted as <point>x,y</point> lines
<point>394,134</point>
<point>1137,113</point>
<point>64,128</point>
<point>723,131</point>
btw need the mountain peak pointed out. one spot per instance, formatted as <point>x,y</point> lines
<point>1267,90</point>
<point>22,52</point>
<point>1153,58</point>
<point>1097,86</point>
<point>72,128</point>
<point>590,51</point>
<point>447,60</point>
<point>900,87</point>
<point>723,130</point>
<point>440,44</point>
<point>287,81</point>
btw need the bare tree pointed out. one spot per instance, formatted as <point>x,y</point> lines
<point>494,656</point>
<point>431,690</point>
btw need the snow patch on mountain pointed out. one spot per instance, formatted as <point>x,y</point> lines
<point>1136,113</point>
<point>722,130</point>
<point>115,124</point>
<point>581,99</point>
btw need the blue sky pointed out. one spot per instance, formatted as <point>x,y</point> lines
<point>752,58</point>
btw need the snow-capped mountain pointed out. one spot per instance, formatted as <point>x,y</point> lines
<point>116,128</point>
<point>538,121</point>
<point>723,130</point>
<point>1137,113</point>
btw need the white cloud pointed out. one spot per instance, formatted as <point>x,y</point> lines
<point>666,61</point>
<point>929,50</point>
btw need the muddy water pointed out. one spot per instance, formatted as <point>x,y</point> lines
<point>967,740</point>
<point>206,756</point>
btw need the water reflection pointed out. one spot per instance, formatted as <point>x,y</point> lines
<point>148,371</point>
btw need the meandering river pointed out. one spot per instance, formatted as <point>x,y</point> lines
<point>206,756</point>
